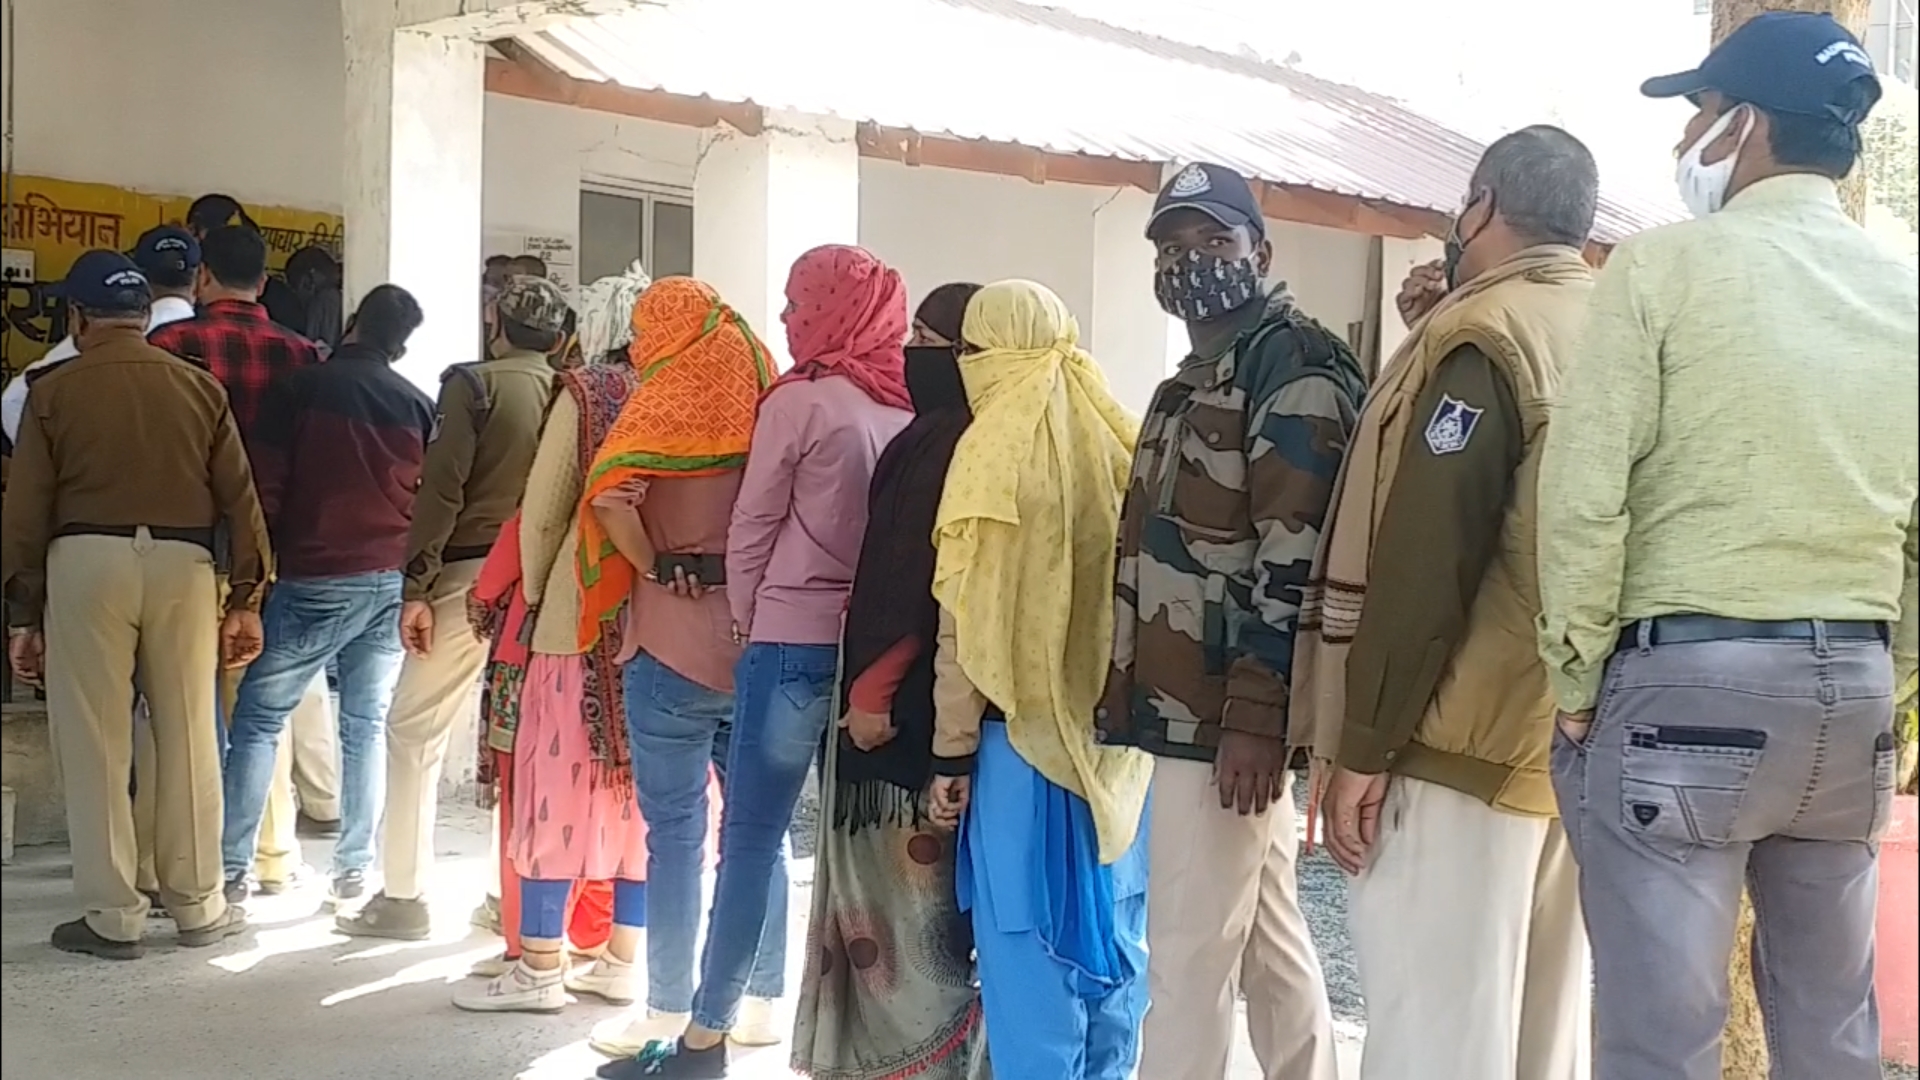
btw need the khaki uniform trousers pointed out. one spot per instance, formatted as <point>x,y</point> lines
<point>437,696</point>
<point>307,764</point>
<point>1223,914</point>
<point>1473,957</point>
<point>115,604</point>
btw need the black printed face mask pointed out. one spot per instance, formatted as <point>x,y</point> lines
<point>1199,286</point>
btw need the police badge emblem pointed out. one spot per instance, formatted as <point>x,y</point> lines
<point>1452,426</point>
<point>1191,181</point>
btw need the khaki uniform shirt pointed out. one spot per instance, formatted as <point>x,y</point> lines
<point>477,464</point>
<point>121,436</point>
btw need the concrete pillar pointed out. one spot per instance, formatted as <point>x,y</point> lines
<point>415,105</point>
<point>759,201</point>
<point>1136,343</point>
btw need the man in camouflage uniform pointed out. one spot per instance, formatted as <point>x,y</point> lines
<point>1237,460</point>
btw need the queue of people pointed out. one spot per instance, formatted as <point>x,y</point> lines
<point>1586,613</point>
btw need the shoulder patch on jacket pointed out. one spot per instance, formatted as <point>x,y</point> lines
<point>1452,426</point>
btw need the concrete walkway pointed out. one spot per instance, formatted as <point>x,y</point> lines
<point>293,1000</point>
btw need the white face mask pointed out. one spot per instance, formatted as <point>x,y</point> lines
<point>1703,187</point>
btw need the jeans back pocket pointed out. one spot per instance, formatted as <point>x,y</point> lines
<point>1684,787</point>
<point>1886,777</point>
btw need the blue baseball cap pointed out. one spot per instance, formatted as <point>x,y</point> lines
<point>103,280</point>
<point>1783,62</point>
<point>166,250</point>
<point>1213,190</point>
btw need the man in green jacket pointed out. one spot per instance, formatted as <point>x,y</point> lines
<point>1727,574</point>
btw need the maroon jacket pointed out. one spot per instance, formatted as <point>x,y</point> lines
<point>336,456</point>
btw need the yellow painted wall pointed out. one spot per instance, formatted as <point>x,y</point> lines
<point>57,220</point>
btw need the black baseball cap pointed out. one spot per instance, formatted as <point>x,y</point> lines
<point>1214,190</point>
<point>103,280</point>
<point>1782,62</point>
<point>166,251</point>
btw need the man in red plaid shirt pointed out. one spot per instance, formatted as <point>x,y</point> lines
<point>232,336</point>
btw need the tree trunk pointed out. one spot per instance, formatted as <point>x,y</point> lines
<point>1852,14</point>
<point>1744,1056</point>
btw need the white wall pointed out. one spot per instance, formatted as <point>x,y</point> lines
<point>940,225</point>
<point>1325,268</point>
<point>538,154</point>
<point>246,97</point>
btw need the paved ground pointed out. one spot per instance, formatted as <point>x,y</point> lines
<point>293,1001</point>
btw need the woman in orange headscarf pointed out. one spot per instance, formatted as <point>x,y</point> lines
<point>654,518</point>
<point>649,446</point>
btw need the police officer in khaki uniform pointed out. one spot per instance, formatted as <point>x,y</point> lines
<point>476,469</point>
<point>127,461</point>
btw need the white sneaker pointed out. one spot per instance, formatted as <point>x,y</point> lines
<point>607,979</point>
<point>757,1024</point>
<point>625,1037</point>
<point>521,989</point>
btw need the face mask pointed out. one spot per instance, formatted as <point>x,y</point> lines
<point>1456,248</point>
<point>933,378</point>
<point>1703,187</point>
<point>1199,287</point>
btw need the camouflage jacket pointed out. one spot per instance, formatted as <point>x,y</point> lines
<point>1237,461</point>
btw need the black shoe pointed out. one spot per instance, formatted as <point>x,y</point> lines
<point>231,922</point>
<point>236,890</point>
<point>78,937</point>
<point>350,885</point>
<point>672,1060</point>
<point>312,828</point>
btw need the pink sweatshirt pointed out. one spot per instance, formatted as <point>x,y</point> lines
<point>803,508</point>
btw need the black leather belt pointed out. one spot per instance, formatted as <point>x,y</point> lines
<point>464,553</point>
<point>202,537</point>
<point>1693,629</point>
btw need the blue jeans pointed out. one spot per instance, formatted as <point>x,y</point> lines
<point>783,705</point>
<point>310,623</point>
<point>676,729</point>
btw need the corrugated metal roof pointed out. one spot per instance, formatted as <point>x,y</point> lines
<point>1014,72</point>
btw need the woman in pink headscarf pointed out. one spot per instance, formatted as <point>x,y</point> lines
<point>791,553</point>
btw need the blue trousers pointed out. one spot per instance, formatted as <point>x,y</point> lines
<point>678,730</point>
<point>312,623</point>
<point>783,705</point>
<point>1044,1017</point>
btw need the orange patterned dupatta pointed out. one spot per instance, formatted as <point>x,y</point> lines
<point>701,374</point>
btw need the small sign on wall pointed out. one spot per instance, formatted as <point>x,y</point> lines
<point>17,267</point>
<point>563,266</point>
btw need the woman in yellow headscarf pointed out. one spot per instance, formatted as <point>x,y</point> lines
<point>1052,860</point>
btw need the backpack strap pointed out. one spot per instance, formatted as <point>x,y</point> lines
<point>1316,351</point>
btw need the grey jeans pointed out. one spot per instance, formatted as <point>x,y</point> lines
<point>1710,766</point>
